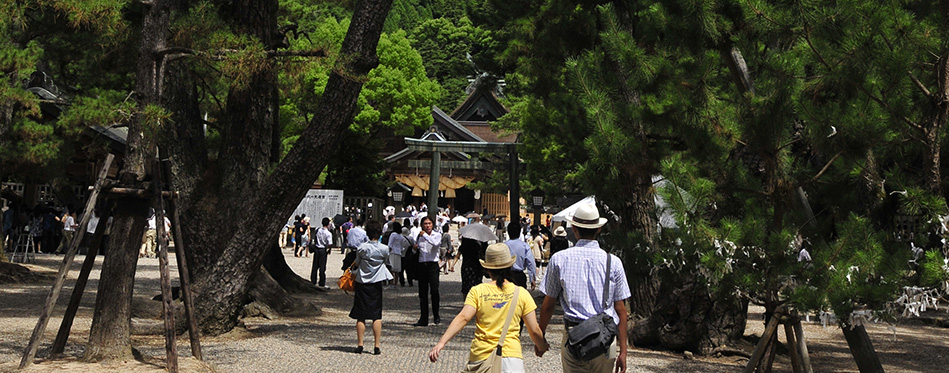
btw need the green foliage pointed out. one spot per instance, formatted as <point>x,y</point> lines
<point>832,113</point>
<point>444,44</point>
<point>396,98</point>
<point>935,270</point>
<point>397,95</point>
<point>75,43</point>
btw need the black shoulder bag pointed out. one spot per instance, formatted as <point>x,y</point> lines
<point>594,336</point>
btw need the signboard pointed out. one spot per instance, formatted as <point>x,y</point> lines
<point>319,204</point>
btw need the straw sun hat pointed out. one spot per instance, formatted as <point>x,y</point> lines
<point>560,232</point>
<point>587,216</point>
<point>497,256</point>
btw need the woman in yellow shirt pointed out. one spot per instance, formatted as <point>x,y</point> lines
<point>489,304</point>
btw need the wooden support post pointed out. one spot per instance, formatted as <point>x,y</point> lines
<point>515,186</point>
<point>171,345</point>
<point>433,185</point>
<point>762,344</point>
<point>59,345</point>
<point>802,346</point>
<point>184,276</point>
<point>53,296</point>
<point>792,347</point>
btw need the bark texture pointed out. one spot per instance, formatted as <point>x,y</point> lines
<point>689,317</point>
<point>109,336</point>
<point>222,288</point>
<point>862,349</point>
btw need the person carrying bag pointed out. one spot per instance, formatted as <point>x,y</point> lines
<point>595,339</point>
<point>496,346</point>
<point>594,336</point>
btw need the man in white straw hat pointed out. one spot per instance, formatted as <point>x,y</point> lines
<point>576,278</point>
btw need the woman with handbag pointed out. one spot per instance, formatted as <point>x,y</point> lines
<point>498,307</point>
<point>370,275</point>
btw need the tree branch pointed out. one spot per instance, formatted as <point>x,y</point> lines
<point>174,53</point>
<point>286,53</point>
<point>919,84</point>
<point>175,50</point>
<point>885,105</point>
<point>823,170</point>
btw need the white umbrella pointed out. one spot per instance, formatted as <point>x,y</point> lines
<point>567,213</point>
<point>477,232</point>
<point>460,219</point>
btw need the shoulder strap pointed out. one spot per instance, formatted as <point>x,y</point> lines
<point>507,321</point>
<point>606,285</point>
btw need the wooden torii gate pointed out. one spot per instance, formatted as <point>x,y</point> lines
<point>435,165</point>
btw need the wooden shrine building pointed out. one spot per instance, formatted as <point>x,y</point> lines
<point>410,170</point>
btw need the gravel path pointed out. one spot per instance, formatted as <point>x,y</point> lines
<point>324,343</point>
<point>319,344</point>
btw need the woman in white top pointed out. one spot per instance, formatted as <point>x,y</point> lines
<point>397,245</point>
<point>371,273</point>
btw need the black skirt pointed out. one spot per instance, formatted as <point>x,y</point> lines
<point>367,302</point>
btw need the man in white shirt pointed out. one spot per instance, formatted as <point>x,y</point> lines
<point>148,239</point>
<point>320,247</point>
<point>357,235</point>
<point>69,231</point>
<point>576,279</point>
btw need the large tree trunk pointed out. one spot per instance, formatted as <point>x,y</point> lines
<point>109,336</point>
<point>223,286</point>
<point>934,136</point>
<point>214,192</point>
<point>862,349</point>
<point>276,265</point>
<point>690,317</point>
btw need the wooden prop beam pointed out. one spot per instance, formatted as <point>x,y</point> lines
<point>171,345</point>
<point>59,345</point>
<point>134,192</point>
<point>53,296</point>
<point>802,346</point>
<point>184,276</point>
<point>792,347</point>
<point>763,342</point>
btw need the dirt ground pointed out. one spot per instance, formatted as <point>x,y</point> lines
<point>910,346</point>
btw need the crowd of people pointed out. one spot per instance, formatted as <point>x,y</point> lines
<point>581,277</point>
<point>49,229</point>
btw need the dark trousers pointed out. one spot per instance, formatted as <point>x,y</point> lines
<point>319,266</point>
<point>400,275</point>
<point>427,283</point>
<point>519,278</point>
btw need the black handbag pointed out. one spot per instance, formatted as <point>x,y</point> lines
<point>594,336</point>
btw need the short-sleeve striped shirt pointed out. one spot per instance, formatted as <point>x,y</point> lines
<point>576,275</point>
